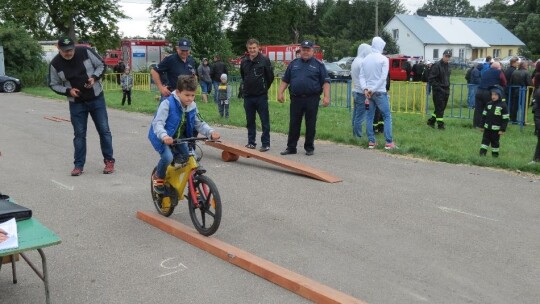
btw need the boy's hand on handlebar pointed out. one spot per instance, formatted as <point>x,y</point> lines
<point>215,136</point>
<point>168,140</point>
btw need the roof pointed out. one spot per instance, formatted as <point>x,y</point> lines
<point>491,31</point>
<point>477,32</point>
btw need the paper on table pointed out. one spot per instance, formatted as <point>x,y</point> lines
<point>13,240</point>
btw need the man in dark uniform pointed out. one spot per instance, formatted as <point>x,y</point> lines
<point>439,78</point>
<point>166,73</point>
<point>217,69</point>
<point>307,78</point>
<point>257,77</point>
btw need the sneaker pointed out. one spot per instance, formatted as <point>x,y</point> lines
<point>390,146</point>
<point>76,171</point>
<point>109,166</point>
<point>158,184</point>
<point>309,153</point>
<point>532,162</point>
<point>264,148</point>
<point>372,145</point>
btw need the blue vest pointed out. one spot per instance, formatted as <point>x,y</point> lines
<point>172,124</point>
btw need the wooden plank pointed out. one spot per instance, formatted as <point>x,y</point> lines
<point>275,160</point>
<point>302,286</point>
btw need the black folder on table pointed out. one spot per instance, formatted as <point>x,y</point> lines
<point>9,210</point>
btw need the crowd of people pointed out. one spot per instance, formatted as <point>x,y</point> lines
<point>76,72</point>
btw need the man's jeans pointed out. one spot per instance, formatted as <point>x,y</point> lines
<point>359,114</point>
<point>79,120</point>
<point>254,105</point>
<point>380,100</point>
<point>471,97</point>
<point>216,85</point>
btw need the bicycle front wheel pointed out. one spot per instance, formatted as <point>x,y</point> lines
<point>205,208</point>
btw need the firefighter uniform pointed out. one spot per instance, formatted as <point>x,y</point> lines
<point>439,78</point>
<point>494,120</point>
<point>306,79</point>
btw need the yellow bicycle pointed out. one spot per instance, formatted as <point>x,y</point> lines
<point>187,180</point>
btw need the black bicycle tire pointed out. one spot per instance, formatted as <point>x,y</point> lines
<point>199,180</point>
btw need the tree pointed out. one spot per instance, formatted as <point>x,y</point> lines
<point>201,21</point>
<point>22,54</point>
<point>457,8</point>
<point>528,36</point>
<point>90,20</point>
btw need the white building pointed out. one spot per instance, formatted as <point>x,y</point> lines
<point>469,38</point>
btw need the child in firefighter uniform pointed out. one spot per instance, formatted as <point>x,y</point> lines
<point>494,121</point>
<point>223,96</point>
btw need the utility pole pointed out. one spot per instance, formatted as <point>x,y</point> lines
<point>376,18</point>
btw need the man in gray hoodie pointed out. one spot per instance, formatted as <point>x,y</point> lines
<point>359,114</point>
<point>373,77</point>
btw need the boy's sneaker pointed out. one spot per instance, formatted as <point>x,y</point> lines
<point>109,166</point>
<point>390,146</point>
<point>264,148</point>
<point>158,184</point>
<point>372,145</point>
<point>76,171</point>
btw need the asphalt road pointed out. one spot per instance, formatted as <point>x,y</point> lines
<point>396,230</point>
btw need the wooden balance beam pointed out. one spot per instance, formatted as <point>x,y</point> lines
<point>232,152</point>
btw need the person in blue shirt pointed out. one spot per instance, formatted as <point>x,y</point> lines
<point>176,117</point>
<point>306,77</point>
<point>167,71</point>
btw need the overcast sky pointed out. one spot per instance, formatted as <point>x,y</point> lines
<point>138,25</point>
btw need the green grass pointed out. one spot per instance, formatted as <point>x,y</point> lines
<point>458,144</point>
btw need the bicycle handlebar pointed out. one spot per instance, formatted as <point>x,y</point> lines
<point>191,140</point>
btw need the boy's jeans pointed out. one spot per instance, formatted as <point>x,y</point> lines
<point>380,100</point>
<point>167,156</point>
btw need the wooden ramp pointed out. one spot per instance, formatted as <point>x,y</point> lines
<point>301,285</point>
<point>232,152</point>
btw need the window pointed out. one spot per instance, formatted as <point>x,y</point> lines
<point>461,53</point>
<point>510,52</point>
<point>496,53</point>
<point>435,54</point>
<point>395,34</point>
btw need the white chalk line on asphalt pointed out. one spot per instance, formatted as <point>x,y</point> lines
<point>446,209</point>
<point>62,185</point>
<point>178,267</point>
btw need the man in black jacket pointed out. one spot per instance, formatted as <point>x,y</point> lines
<point>216,70</point>
<point>439,78</point>
<point>257,77</point>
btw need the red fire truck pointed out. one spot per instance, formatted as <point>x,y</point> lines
<point>138,54</point>
<point>286,52</point>
<point>399,64</point>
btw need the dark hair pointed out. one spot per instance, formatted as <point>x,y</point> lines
<point>186,83</point>
<point>252,41</point>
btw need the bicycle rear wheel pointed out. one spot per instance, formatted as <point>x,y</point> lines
<point>205,208</point>
<point>166,202</point>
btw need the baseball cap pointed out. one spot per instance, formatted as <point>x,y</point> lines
<point>184,44</point>
<point>447,52</point>
<point>66,43</point>
<point>306,44</point>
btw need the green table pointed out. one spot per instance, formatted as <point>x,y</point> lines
<point>32,236</point>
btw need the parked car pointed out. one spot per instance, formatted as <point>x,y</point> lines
<point>480,60</point>
<point>457,63</point>
<point>506,60</point>
<point>336,72</point>
<point>9,84</point>
<point>345,62</point>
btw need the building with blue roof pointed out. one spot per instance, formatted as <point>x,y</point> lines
<point>469,38</point>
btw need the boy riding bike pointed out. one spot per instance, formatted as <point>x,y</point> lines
<point>177,117</point>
